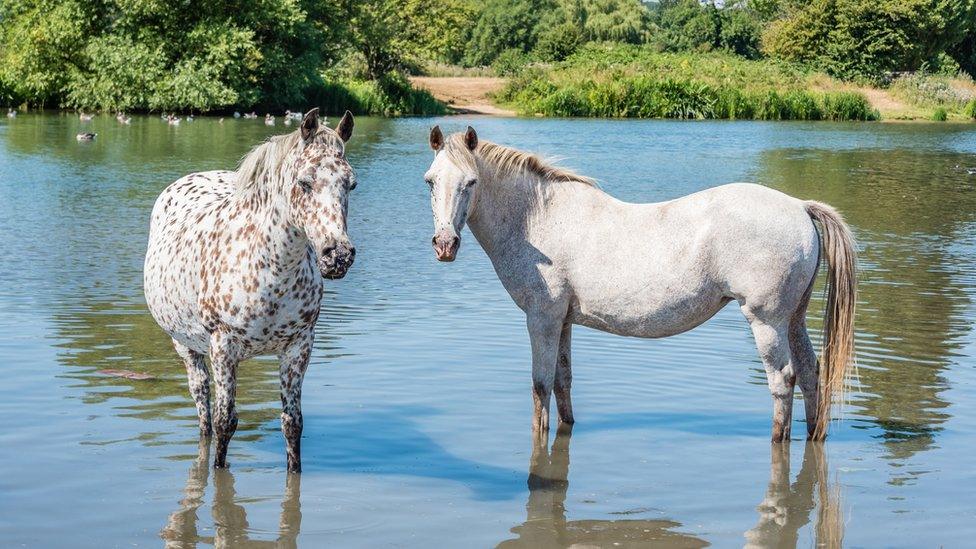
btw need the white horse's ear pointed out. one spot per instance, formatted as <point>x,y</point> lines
<point>471,139</point>
<point>310,124</point>
<point>344,128</point>
<point>436,138</point>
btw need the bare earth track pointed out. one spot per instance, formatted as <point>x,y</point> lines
<point>464,94</point>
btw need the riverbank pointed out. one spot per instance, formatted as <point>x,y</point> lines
<point>629,82</point>
<point>465,94</point>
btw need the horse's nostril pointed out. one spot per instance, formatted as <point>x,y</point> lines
<point>328,251</point>
<point>433,239</point>
<point>352,252</point>
<point>455,241</point>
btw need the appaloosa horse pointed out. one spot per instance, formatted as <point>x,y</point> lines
<point>235,266</point>
<point>568,253</point>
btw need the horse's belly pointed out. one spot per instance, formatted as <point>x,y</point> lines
<point>650,318</point>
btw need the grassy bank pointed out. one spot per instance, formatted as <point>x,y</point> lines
<point>389,96</point>
<point>633,82</point>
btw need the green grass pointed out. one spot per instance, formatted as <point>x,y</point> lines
<point>940,115</point>
<point>632,82</point>
<point>389,96</point>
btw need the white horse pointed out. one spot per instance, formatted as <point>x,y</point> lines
<point>568,253</point>
<point>235,265</point>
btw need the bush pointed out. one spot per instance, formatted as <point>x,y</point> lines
<point>940,115</point>
<point>510,62</point>
<point>391,95</point>
<point>630,82</point>
<point>933,90</point>
<point>558,42</point>
<point>970,109</point>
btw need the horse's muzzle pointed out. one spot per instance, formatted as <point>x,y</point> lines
<point>335,261</point>
<point>446,246</point>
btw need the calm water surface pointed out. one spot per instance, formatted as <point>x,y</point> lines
<point>417,402</point>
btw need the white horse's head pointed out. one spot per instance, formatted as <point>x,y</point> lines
<point>319,194</point>
<point>453,178</point>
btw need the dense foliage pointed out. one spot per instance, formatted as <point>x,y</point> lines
<point>220,55</point>
<point>146,54</point>
<point>633,82</point>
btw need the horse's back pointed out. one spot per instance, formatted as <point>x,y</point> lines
<point>181,218</point>
<point>654,270</point>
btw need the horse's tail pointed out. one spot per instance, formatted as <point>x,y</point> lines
<point>841,292</point>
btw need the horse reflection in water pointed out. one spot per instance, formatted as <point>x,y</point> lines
<point>546,525</point>
<point>231,528</point>
<point>787,507</point>
<point>784,511</point>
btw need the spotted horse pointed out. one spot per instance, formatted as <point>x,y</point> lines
<point>236,262</point>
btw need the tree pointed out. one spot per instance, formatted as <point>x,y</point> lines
<point>394,34</point>
<point>506,25</point>
<point>861,39</point>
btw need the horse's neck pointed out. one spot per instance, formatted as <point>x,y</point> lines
<point>508,211</point>
<point>267,211</point>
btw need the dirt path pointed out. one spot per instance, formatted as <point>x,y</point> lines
<point>464,94</point>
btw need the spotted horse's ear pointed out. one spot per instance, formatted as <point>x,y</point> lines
<point>344,128</point>
<point>310,124</point>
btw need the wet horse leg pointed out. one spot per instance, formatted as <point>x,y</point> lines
<point>198,379</point>
<point>564,375</point>
<point>224,358</point>
<point>772,341</point>
<point>294,362</point>
<point>544,335</point>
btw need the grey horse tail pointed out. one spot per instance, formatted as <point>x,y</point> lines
<point>837,353</point>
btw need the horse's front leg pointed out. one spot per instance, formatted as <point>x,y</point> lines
<point>224,357</point>
<point>294,362</point>
<point>564,375</point>
<point>544,332</point>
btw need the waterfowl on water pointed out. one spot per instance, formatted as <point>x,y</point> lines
<point>123,119</point>
<point>85,117</point>
<point>86,136</point>
<point>11,113</point>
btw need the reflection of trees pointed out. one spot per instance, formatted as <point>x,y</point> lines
<point>96,334</point>
<point>908,209</point>
<point>546,525</point>
<point>787,507</point>
<point>230,518</point>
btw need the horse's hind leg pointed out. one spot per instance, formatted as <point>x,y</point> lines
<point>772,340</point>
<point>294,362</point>
<point>564,375</point>
<point>807,369</point>
<point>198,379</point>
<point>224,358</point>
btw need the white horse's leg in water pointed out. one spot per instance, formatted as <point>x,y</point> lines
<point>294,363</point>
<point>772,341</point>
<point>564,375</point>
<point>806,368</point>
<point>225,360</point>
<point>544,332</point>
<point>198,379</point>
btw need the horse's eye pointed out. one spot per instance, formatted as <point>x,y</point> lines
<point>353,184</point>
<point>430,183</point>
<point>470,182</point>
<point>306,183</point>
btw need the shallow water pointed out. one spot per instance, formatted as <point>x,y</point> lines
<point>417,402</point>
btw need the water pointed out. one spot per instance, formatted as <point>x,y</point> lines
<point>417,403</point>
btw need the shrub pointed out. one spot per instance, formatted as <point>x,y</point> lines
<point>510,62</point>
<point>970,109</point>
<point>391,95</point>
<point>940,115</point>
